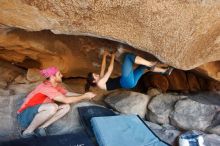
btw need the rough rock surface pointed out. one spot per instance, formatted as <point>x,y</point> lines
<point>215,127</point>
<point>178,81</point>
<point>8,72</point>
<point>73,55</point>
<point>3,84</point>
<point>208,98</point>
<point>214,86</point>
<point>189,112</point>
<point>153,92</point>
<point>128,102</point>
<point>166,132</point>
<point>189,115</point>
<point>33,75</point>
<point>156,81</point>
<point>215,130</point>
<point>193,82</point>
<point>9,128</point>
<point>23,88</point>
<point>211,69</point>
<point>5,92</point>
<point>160,108</point>
<point>70,123</point>
<point>184,34</point>
<point>21,79</point>
<point>212,140</point>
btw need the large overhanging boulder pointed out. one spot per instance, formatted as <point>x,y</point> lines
<point>184,34</point>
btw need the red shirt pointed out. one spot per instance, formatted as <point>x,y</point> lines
<point>43,93</point>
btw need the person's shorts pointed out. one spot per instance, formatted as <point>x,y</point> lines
<point>25,117</point>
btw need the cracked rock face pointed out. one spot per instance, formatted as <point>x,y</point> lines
<point>183,34</point>
<point>128,102</point>
<point>198,116</point>
<point>73,55</point>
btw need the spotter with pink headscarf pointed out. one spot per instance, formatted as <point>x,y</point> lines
<point>40,109</point>
<point>50,71</point>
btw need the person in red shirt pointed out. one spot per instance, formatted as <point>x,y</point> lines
<point>39,109</point>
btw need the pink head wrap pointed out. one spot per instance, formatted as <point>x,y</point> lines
<point>49,71</point>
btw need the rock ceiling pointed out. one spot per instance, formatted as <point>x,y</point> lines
<point>184,33</point>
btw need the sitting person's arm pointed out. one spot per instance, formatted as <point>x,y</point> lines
<point>60,95</point>
<point>72,94</point>
<point>74,99</point>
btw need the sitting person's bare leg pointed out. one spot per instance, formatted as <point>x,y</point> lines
<point>45,112</point>
<point>62,110</point>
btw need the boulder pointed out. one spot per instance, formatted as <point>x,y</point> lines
<point>211,140</point>
<point>215,127</point>
<point>128,102</point>
<point>21,79</point>
<point>159,81</point>
<point>178,81</point>
<point>70,123</point>
<point>23,88</point>
<point>167,133</point>
<point>163,28</point>
<point>73,55</point>
<point>193,82</point>
<point>214,130</point>
<point>206,97</point>
<point>3,84</point>
<point>210,69</point>
<point>9,128</point>
<point>216,120</point>
<point>9,71</point>
<point>160,108</point>
<point>203,83</point>
<point>153,92</point>
<point>33,75</point>
<point>6,92</point>
<point>213,85</point>
<point>189,114</point>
